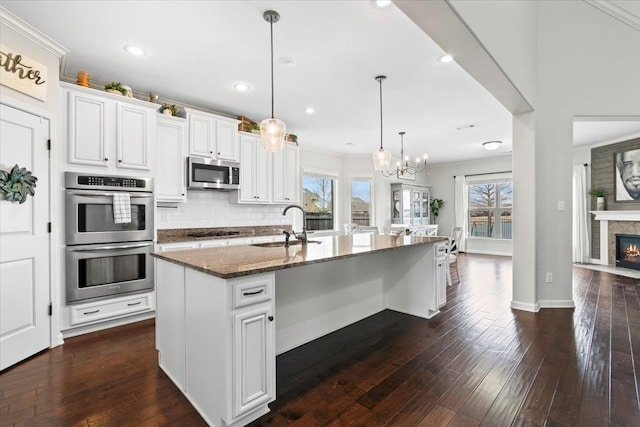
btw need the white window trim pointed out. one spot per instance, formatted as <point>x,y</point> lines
<point>372,211</point>
<point>333,174</point>
<point>489,178</point>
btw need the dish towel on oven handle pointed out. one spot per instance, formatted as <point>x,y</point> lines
<point>121,208</point>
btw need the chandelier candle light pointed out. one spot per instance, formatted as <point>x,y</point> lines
<point>272,130</point>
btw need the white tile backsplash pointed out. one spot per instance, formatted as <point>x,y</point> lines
<point>208,209</point>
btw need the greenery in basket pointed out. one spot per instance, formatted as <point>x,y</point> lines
<point>254,127</point>
<point>171,107</point>
<point>116,86</point>
<point>598,192</point>
<point>435,205</point>
<point>292,137</point>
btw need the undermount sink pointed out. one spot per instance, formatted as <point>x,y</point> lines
<point>283,244</point>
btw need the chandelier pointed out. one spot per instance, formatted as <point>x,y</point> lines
<point>404,167</point>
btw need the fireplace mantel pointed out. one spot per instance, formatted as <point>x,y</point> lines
<point>616,215</point>
<point>604,217</point>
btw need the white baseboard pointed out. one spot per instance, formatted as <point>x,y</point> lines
<point>525,306</point>
<point>557,304</point>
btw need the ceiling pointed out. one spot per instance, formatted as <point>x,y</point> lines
<point>197,50</point>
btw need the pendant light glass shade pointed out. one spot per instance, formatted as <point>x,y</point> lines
<point>381,159</point>
<point>272,132</point>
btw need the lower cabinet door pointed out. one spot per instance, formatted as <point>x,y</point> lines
<point>441,281</point>
<point>253,359</point>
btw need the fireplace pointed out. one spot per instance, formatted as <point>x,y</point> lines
<point>628,251</point>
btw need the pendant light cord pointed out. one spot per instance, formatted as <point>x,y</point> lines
<point>271,25</point>
<point>380,80</point>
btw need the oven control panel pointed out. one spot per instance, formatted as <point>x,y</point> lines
<point>107,182</point>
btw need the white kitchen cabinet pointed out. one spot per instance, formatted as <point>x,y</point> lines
<point>218,345</point>
<point>227,140</point>
<point>441,280</point>
<point>255,182</point>
<point>212,136</point>
<point>169,162</point>
<point>164,247</point>
<point>110,309</point>
<point>105,132</point>
<point>286,175</point>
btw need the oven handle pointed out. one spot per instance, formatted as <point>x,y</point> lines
<point>107,193</point>
<point>106,248</point>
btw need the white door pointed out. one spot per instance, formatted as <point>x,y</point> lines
<point>24,241</point>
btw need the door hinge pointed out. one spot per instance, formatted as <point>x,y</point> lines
<point>49,144</point>
<point>48,227</point>
<point>50,309</point>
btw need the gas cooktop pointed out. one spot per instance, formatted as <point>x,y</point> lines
<point>213,233</point>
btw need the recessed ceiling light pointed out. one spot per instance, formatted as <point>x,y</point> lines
<point>491,145</point>
<point>134,50</point>
<point>382,4</point>
<point>309,110</point>
<point>445,58</point>
<point>241,87</point>
<point>288,62</point>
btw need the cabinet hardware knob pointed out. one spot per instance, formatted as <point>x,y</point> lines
<point>270,318</point>
<point>211,152</point>
<point>183,194</point>
<point>119,161</point>
<point>106,159</point>
<point>218,153</point>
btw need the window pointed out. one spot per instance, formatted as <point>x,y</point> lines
<point>361,201</point>
<point>490,208</point>
<point>318,192</point>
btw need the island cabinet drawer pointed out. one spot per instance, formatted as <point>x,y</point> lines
<point>252,290</point>
<point>98,311</point>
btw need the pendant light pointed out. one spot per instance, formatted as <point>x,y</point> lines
<point>272,130</point>
<point>381,157</point>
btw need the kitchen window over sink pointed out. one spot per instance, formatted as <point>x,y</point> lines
<point>318,201</point>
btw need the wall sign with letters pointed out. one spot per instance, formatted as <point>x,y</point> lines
<point>22,73</point>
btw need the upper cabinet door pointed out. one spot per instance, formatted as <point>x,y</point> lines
<point>202,135</point>
<point>286,181</point>
<point>169,161</point>
<point>133,137</point>
<point>88,129</point>
<point>263,172</point>
<point>227,141</point>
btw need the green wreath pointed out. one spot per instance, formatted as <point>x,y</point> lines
<point>17,184</point>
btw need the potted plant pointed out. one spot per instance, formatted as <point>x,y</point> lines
<point>115,87</point>
<point>435,206</point>
<point>255,128</point>
<point>599,194</point>
<point>291,137</point>
<point>169,109</point>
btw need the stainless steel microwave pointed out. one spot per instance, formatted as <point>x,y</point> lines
<point>203,173</point>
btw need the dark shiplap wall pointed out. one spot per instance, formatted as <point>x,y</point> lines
<point>602,176</point>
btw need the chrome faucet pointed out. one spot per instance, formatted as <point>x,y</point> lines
<point>303,238</point>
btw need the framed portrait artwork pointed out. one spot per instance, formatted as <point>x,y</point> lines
<point>627,175</point>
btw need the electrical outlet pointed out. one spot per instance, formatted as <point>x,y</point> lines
<point>549,277</point>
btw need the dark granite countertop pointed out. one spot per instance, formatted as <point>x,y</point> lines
<point>235,261</point>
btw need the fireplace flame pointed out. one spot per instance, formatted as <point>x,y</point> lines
<point>632,251</point>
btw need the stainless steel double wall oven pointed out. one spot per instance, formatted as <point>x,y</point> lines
<point>105,258</point>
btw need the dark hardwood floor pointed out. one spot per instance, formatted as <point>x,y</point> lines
<point>478,363</point>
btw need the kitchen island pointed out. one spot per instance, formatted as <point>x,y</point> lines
<point>224,313</point>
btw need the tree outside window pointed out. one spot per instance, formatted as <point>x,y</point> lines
<point>490,210</point>
<point>361,201</point>
<point>318,202</point>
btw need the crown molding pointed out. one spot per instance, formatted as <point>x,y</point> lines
<point>617,12</point>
